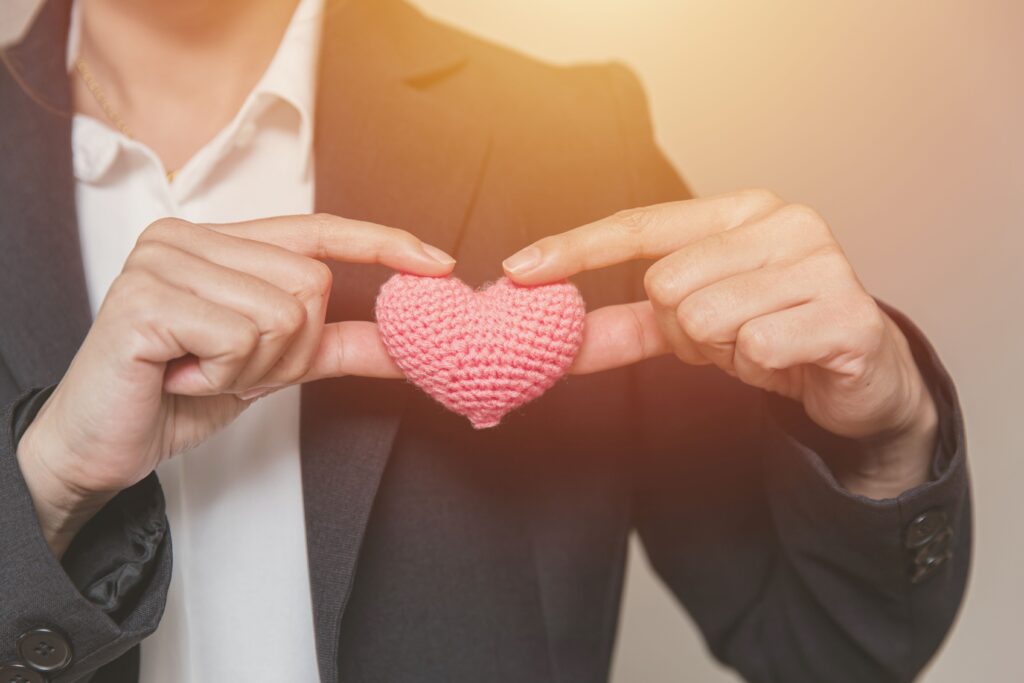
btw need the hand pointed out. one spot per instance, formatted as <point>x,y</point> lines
<point>761,289</point>
<point>201,321</point>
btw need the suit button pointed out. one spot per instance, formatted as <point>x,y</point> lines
<point>44,650</point>
<point>923,528</point>
<point>19,673</point>
<point>933,555</point>
<point>924,569</point>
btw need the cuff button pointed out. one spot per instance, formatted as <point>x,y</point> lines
<point>932,555</point>
<point>44,650</point>
<point>924,528</point>
<point>927,567</point>
<point>19,673</point>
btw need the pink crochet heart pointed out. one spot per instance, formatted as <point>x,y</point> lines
<point>484,353</point>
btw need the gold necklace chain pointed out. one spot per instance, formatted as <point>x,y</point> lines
<point>101,99</point>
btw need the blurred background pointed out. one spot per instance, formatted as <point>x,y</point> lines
<point>901,123</point>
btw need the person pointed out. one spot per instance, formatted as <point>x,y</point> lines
<point>200,202</point>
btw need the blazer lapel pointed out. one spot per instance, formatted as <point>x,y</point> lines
<point>385,151</point>
<point>44,304</point>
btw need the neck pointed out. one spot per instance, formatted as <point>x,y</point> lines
<point>177,72</point>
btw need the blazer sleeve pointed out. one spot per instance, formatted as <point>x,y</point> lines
<point>68,618</point>
<point>790,577</point>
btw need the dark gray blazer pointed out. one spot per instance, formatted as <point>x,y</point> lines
<point>440,553</point>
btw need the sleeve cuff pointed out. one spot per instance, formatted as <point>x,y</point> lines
<point>110,590</point>
<point>920,537</point>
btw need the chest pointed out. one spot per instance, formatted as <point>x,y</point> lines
<point>256,166</point>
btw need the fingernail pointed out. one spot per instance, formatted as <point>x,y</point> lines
<point>255,392</point>
<point>438,255</point>
<point>522,261</point>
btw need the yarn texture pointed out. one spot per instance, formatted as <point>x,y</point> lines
<point>480,354</point>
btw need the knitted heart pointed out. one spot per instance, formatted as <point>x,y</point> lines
<point>481,354</point>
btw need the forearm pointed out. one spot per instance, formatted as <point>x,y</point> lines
<point>797,578</point>
<point>796,564</point>
<point>853,558</point>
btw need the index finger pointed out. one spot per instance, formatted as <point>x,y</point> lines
<point>644,233</point>
<point>326,237</point>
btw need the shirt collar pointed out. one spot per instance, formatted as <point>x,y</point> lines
<point>291,75</point>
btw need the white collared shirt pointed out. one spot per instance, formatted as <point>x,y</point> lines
<point>239,604</point>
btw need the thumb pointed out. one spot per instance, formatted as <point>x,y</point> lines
<point>614,336</point>
<point>351,348</point>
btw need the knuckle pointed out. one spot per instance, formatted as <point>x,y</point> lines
<point>323,277</point>
<point>696,316</point>
<point>322,224</point>
<point>630,227</point>
<point>290,316</point>
<point>316,278</point>
<point>800,213</point>
<point>163,229</point>
<point>658,285</point>
<point>121,286</point>
<point>754,342</point>
<point>807,222</point>
<point>829,254</point>
<point>631,222</point>
<point>136,340</point>
<point>244,339</point>
<point>147,253</point>
<point>237,339</point>
<point>759,199</point>
<point>830,262</point>
<point>282,319</point>
<point>321,218</point>
<point>291,370</point>
<point>867,316</point>
<point>133,291</point>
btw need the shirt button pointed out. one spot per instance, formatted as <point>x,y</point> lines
<point>19,673</point>
<point>44,650</point>
<point>923,528</point>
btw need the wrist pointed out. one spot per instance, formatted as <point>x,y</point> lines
<point>62,508</point>
<point>900,458</point>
